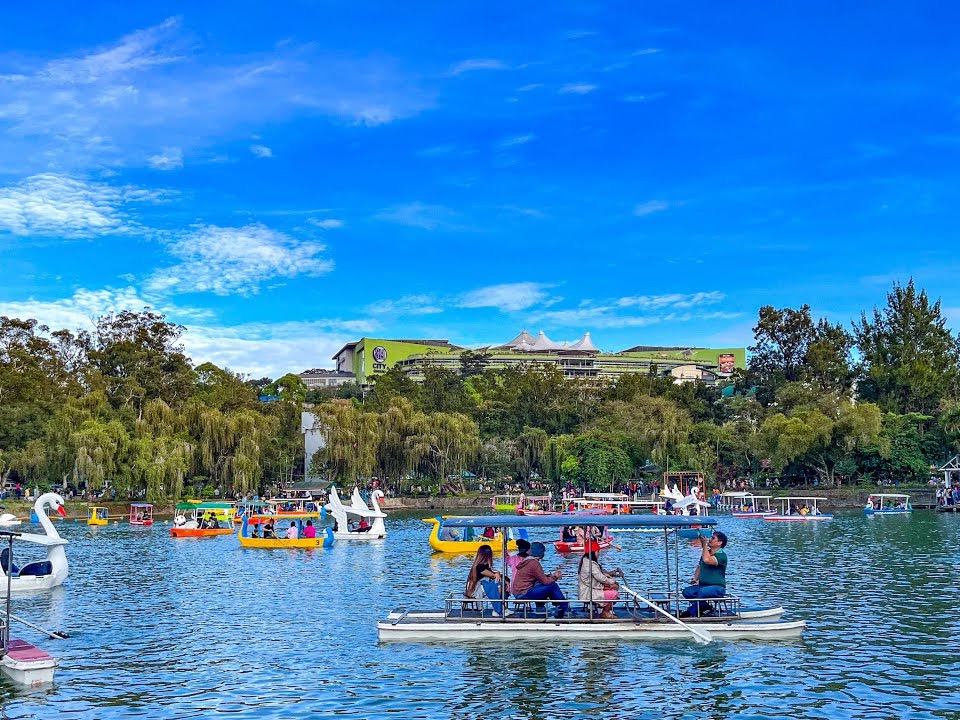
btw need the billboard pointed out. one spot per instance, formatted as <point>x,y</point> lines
<point>725,361</point>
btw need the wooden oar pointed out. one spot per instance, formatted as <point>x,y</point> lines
<point>701,636</point>
<point>58,635</point>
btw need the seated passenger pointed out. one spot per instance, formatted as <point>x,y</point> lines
<point>483,582</point>
<point>363,525</point>
<point>254,531</point>
<point>488,533</point>
<point>268,531</point>
<point>567,535</point>
<point>530,582</point>
<point>594,584</point>
<point>292,532</point>
<point>309,531</point>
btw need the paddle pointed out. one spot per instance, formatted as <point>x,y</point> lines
<point>701,636</point>
<point>58,635</point>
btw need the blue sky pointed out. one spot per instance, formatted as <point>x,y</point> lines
<point>282,178</point>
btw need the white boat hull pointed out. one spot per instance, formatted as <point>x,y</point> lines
<point>797,518</point>
<point>438,628</point>
<point>351,536</point>
<point>27,665</point>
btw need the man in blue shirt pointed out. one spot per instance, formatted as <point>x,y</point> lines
<point>710,577</point>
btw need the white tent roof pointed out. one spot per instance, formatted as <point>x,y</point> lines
<point>584,344</point>
<point>545,343</point>
<point>524,338</point>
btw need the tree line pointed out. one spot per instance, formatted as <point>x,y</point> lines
<point>122,408</point>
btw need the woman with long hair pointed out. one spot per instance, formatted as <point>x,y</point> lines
<point>594,584</point>
<point>485,582</point>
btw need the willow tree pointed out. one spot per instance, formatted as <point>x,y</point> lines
<point>230,445</point>
<point>445,441</point>
<point>393,455</point>
<point>100,451</point>
<point>350,440</point>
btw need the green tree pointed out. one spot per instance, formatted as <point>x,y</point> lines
<point>910,359</point>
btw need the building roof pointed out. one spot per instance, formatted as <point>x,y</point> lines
<point>584,344</point>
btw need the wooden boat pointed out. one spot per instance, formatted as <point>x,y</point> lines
<point>798,509</point>
<point>467,540</point>
<point>356,521</point>
<point>888,504</point>
<point>200,519</point>
<point>638,617</point>
<point>98,515</point>
<point>38,574</point>
<point>324,537</point>
<point>141,514</point>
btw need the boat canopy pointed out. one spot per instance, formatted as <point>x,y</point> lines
<point>667,522</point>
<point>141,505</point>
<point>198,505</point>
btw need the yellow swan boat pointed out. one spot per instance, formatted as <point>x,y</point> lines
<point>98,515</point>
<point>468,542</point>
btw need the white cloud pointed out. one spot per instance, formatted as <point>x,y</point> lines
<point>421,215</point>
<point>261,151</point>
<point>273,349</point>
<point>477,64</point>
<point>76,312</point>
<point>406,305</point>
<point>638,98</point>
<point>517,140</point>
<point>530,86</point>
<point>645,51</point>
<point>326,223</point>
<point>577,89</point>
<point>507,297</point>
<point>228,261</point>
<point>621,312</point>
<point>53,205</point>
<point>677,300</point>
<point>257,349</point>
<point>650,207</point>
<point>169,159</point>
<point>159,87</point>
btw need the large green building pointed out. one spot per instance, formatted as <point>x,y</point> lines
<point>370,356</point>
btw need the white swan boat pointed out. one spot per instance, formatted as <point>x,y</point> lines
<point>653,617</point>
<point>356,521</point>
<point>9,520</point>
<point>38,574</point>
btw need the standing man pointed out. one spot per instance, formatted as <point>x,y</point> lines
<point>530,582</point>
<point>710,577</point>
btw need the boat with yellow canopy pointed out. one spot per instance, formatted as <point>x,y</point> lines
<point>202,519</point>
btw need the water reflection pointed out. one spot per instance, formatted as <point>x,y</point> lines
<point>183,628</point>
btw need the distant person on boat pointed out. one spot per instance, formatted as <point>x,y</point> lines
<point>448,534</point>
<point>567,535</point>
<point>710,577</point>
<point>254,531</point>
<point>363,525</point>
<point>870,505</point>
<point>268,531</point>
<point>488,533</point>
<point>212,521</point>
<point>530,582</point>
<point>292,532</point>
<point>483,582</point>
<point>594,584</point>
<point>309,531</point>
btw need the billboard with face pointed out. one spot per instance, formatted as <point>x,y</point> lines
<point>725,362</point>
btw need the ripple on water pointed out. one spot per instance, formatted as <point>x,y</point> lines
<point>164,628</point>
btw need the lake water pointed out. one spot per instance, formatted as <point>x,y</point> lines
<point>165,628</point>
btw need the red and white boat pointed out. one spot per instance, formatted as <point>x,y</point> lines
<point>577,546</point>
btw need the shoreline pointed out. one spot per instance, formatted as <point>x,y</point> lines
<point>837,498</point>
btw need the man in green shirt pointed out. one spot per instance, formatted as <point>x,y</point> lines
<point>710,577</point>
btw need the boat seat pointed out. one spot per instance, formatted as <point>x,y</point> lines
<point>37,568</point>
<point>5,563</point>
